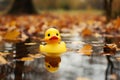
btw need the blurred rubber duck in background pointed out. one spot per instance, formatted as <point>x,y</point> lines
<point>53,49</point>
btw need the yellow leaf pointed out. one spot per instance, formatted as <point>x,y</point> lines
<point>4,54</point>
<point>27,59</point>
<point>3,60</point>
<point>35,55</point>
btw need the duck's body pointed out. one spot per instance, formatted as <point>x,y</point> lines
<point>54,46</point>
<point>55,49</point>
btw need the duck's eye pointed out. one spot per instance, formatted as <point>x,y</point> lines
<point>57,34</point>
<point>48,34</point>
<point>48,66</point>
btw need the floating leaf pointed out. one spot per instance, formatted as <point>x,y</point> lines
<point>3,60</point>
<point>86,32</point>
<point>117,23</point>
<point>86,50</point>
<point>30,44</point>
<point>109,49</point>
<point>12,35</point>
<point>27,59</point>
<point>4,54</point>
<point>35,55</point>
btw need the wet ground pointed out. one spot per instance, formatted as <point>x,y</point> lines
<point>74,66</point>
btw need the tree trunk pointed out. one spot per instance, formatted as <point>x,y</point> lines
<point>19,68</point>
<point>22,49</point>
<point>108,9</point>
<point>22,7</point>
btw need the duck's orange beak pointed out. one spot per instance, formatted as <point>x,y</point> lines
<point>53,38</point>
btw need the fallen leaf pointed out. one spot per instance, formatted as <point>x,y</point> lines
<point>35,55</point>
<point>30,43</point>
<point>86,50</point>
<point>27,59</point>
<point>86,32</point>
<point>3,60</point>
<point>117,23</point>
<point>4,54</point>
<point>12,35</point>
<point>110,49</point>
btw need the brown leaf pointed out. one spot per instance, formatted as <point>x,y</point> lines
<point>109,49</point>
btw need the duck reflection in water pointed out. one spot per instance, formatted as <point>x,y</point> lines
<point>53,49</point>
<point>52,63</point>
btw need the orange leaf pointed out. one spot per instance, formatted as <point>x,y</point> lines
<point>86,50</point>
<point>26,59</point>
<point>117,23</point>
<point>12,35</point>
<point>86,32</point>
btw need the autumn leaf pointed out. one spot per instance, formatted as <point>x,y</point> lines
<point>86,32</point>
<point>12,35</point>
<point>109,49</point>
<point>3,60</point>
<point>1,38</point>
<point>86,50</point>
<point>4,54</point>
<point>27,59</point>
<point>35,55</point>
<point>117,23</point>
<point>30,44</point>
<point>12,23</point>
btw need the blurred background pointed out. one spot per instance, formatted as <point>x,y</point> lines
<point>108,6</point>
<point>90,29</point>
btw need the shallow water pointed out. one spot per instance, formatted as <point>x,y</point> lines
<point>74,66</point>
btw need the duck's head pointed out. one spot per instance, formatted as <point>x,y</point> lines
<point>52,35</point>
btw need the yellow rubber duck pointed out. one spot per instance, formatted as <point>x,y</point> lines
<point>54,46</point>
<point>53,49</point>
